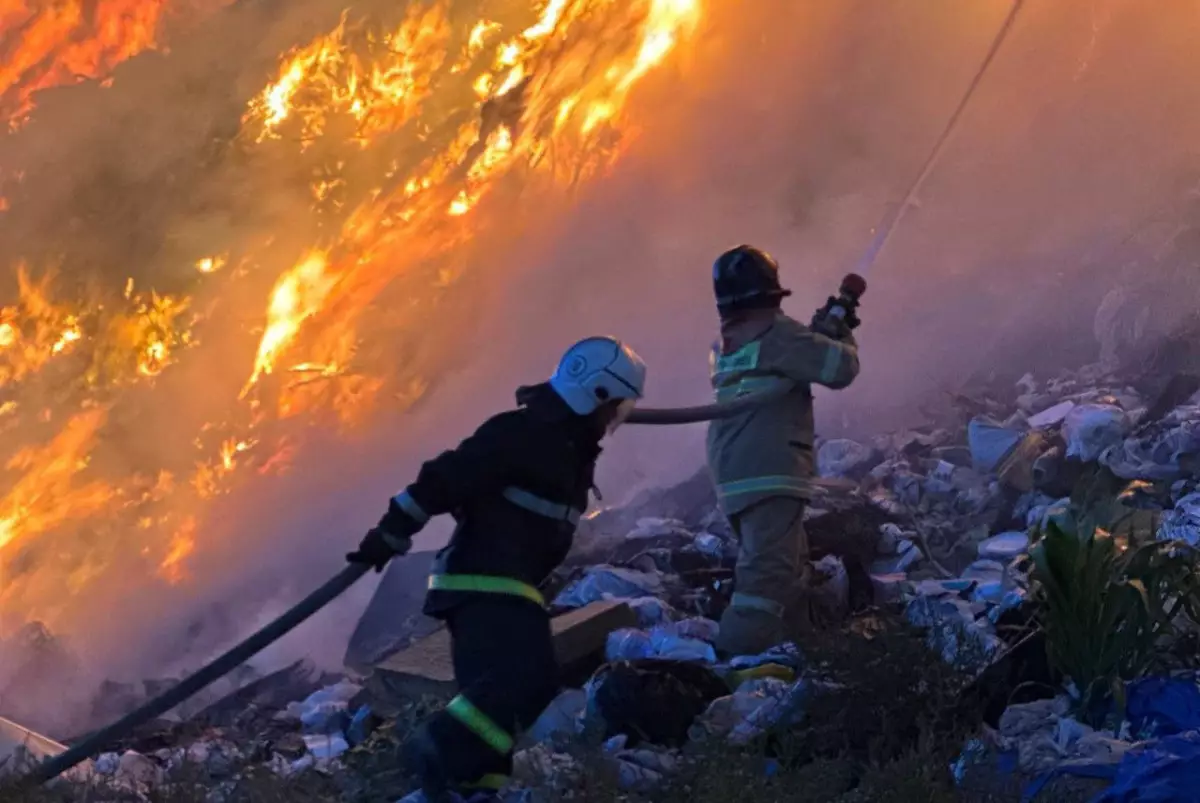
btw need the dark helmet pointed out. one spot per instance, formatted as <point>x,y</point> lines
<point>746,277</point>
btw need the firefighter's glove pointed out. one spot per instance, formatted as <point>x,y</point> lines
<point>833,326</point>
<point>390,538</point>
<point>378,547</point>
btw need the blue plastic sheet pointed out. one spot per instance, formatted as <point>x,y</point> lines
<point>1163,706</point>
<point>1165,770</point>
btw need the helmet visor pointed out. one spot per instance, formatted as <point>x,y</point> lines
<point>621,414</point>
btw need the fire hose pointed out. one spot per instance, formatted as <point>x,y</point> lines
<point>97,741</point>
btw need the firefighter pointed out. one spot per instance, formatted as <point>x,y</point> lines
<point>762,459</point>
<point>517,488</point>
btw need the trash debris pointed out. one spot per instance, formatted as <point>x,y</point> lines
<point>726,713</point>
<point>652,611</point>
<point>787,654</point>
<point>1161,706</point>
<point>842,457</point>
<point>990,442</point>
<point>562,718</point>
<point>664,641</point>
<point>326,709</point>
<point>1004,546</point>
<point>1182,523</point>
<point>654,527</point>
<point>652,700</point>
<point>1090,429</point>
<point>609,582</point>
<point>1051,416</point>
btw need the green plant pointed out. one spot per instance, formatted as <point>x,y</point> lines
<point>1107,609</point>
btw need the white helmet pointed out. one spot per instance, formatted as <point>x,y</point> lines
<point>597,370</point>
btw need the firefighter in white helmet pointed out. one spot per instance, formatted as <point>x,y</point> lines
<point>517,488</point>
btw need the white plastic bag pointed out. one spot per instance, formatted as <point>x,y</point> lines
<point>1089,429</point>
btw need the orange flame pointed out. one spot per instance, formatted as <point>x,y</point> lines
<point>45,44</point>
<point>438,113</point>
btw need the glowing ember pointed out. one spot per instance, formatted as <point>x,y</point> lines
<point>210,264</point>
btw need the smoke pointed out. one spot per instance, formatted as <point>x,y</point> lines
<point>794,126</point>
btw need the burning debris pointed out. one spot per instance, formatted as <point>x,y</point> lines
<point>404,123</point>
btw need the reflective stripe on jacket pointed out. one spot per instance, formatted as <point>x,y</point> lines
<point>768,451</point>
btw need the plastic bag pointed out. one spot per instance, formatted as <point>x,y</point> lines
<point>1183,522</point>
<point>990,442</point>
<point>1160,706</point>
<point>1161,771</point>
<point>1051,415</point>
<point>787,654</point>
<point>666,643</point>
<point>726,713</point>
<point>1090,429</point>
<point>609,582</point>
<point>562,718</point>
<point>842,457</point>
<point>627,644</point>
<point>697,627</point>
<point>652,611</point>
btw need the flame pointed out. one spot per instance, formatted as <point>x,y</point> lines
<point>417,131</point>
<point>45,43</point>
<point>183,544</point>
<point>538,82</point>
<point>296,297</point>
<point>45,496</point>
<point>328,78</point>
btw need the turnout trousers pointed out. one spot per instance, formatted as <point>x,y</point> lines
<point>769,577</point>
<point>507,673</point>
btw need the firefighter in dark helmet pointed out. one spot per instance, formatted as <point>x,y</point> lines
<point>517,488</point>
<point>762,459</point>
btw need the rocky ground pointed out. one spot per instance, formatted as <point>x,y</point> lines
<point>939,670</point>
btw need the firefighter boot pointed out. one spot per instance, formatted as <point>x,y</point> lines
<point>749,630</point>
<point>421,760</point>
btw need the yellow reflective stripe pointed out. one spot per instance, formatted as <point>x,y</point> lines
<point>833,361</point>
<point>745,386</point>
<point>484,584</point>
<point>744,359</point>
<point>740,600</point>
<point>480,724</point>
<point>492,782</point>
<point>755,485</point>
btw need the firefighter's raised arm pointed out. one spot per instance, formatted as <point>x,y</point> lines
<point>818,359</point>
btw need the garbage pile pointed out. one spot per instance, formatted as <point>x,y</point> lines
<point>936,522</point>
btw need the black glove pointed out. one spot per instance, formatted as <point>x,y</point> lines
<point>390,538</point>
<point>831,326</point>
<point>850,307</point>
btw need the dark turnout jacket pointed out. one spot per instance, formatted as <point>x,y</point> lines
<point>517,488</point>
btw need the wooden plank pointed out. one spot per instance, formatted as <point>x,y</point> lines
<point>425,666</point>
